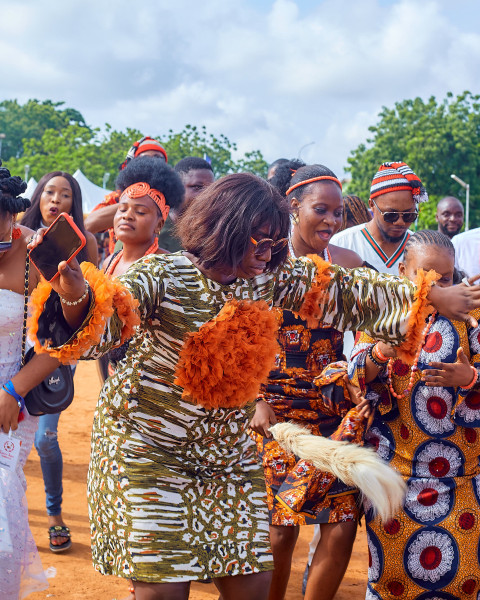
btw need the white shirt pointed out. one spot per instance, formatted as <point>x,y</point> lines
<point>361,241</point>
<point>467,251</point>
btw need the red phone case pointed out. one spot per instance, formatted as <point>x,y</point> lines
<point>77,232</point>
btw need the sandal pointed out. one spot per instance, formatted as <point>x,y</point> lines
<point>57,531</point>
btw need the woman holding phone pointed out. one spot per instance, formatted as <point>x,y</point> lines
<point>56,192</point>
<point>21,571</point>
<point>175,491</point>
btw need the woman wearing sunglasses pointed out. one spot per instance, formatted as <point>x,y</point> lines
<point>315,198</point>
<point>395,194</point>
<point>175,491</point>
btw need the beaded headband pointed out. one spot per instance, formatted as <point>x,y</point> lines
<point>140,189</point>
<point>307,181</point>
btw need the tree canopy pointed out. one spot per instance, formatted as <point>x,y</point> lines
<point>44,136</point>
<point>435,139</point>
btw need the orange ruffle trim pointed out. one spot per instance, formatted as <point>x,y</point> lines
<point>314,299</point>
<point>223,364</point>
<point>419,312</point>
<point>109,295</point>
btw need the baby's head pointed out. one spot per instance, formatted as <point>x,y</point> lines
<point>429,250</point>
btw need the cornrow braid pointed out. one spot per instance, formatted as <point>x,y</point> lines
<point>356,210</point>
<point>10,189</point>
<point>427,237</point>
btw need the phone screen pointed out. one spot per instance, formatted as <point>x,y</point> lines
<point>59,243</point>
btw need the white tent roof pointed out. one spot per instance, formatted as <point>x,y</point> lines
<point>91,194</point>
<point>31,185</point>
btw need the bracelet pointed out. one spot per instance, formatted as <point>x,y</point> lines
<point>10,389</point>
<point>381,357</point>
<point>473,382</point>
<point>81,299</point>
<point>376,362</point>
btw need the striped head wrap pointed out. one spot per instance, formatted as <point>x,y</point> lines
<point>140,189</point>
<point>397,176</point>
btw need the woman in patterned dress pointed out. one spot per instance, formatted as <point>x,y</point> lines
<point>292,395</point>
<point>427,426</point>
<point>175,490</point>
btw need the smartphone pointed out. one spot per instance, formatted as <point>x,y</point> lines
<point>62,241</point>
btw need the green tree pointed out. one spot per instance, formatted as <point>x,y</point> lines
<point>30,121</point>
<point>436,139</point>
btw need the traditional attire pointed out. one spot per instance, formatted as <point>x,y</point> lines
<point>21,571</point>
<point>175,490</point>
<point>431,549</point>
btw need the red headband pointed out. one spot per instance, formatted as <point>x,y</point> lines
<point>140,189</point>
<point>307,181</point>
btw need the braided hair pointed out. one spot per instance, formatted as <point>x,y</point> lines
<point>307,172</point>
<point>428,237</point>
<point>10,189</point>
<point>282,178</point>
<point>356,210</point>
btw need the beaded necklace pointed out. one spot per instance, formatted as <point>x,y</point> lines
<point>414,367</point>
<point>326,252</point>
<point>111,267</point>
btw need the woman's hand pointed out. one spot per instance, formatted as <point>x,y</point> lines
<point>8,412</point>
<point>457,374</point>
<point>70,283</point>
<point>387,350</point>
<point>457,301</point>
<point>263,419</point>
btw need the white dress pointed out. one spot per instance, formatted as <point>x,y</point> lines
<point>21,571</point>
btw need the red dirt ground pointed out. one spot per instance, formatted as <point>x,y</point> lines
<point>75,578</point>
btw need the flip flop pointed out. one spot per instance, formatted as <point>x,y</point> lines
<point>59,531</point>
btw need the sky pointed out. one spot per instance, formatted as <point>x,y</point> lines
<point>287,77</point>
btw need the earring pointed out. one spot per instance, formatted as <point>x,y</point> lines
<point>295,218</point>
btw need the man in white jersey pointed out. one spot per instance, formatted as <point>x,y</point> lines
<point>467,251</point>
<point>394,197</point>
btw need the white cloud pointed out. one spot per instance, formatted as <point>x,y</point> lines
<point>272,75</point>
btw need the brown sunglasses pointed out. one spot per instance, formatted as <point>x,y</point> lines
<point>262,246</point>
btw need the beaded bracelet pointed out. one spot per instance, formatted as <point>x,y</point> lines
<point>10,389</point>
<point>473,382</point>
<point>375,361</point>
<point>81,299</point>
<point>381,357</point>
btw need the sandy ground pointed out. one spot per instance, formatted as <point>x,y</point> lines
<point>75,577</point>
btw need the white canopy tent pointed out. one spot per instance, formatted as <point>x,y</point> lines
<point>91,194</point>
<point>31,185</point>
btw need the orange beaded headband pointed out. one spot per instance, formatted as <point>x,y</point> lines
<point>140,189</point>
<point>307,181</point>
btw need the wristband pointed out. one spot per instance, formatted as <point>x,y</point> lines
<point>10,389</point>
<point>76,302</point>
<point>375,361</point>
<point>381,357</point>
<point>473,382</point>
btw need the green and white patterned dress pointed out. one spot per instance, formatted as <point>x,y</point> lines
<point>175,491</point>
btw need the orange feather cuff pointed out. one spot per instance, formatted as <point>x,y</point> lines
<point>224,363</point>
<point>109,295</point>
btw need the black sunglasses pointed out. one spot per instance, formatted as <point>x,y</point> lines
<point>393,216</point>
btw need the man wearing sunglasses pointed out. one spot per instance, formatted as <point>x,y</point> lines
<point>395,194</point>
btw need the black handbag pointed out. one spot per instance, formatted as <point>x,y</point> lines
<point>55,393</point>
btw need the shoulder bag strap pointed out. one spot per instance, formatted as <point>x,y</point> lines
<point>25,309</point>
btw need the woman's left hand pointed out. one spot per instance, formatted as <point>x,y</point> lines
<point>457,374</point>
<point>363,405</point>
<point>457,301</point>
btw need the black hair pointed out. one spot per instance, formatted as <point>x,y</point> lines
<point>217,225</point>
<point>428,237</point>
<point>191,163</point>
<point>10,189</point>
<point>284,172</point>
<point>304,173</point>
<point>157,174</point>
<point>33,217</point>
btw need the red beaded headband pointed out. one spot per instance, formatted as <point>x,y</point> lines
<point>140,189</point>
<point>307,181</point>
